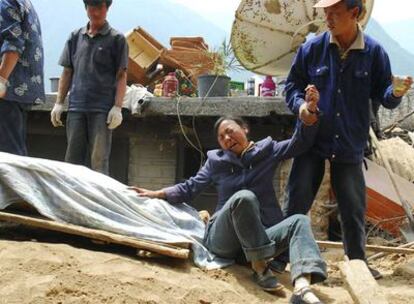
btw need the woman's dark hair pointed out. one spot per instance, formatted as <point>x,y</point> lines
<point>350,4</point>
<point>238,120</point>
<point>97,2</point>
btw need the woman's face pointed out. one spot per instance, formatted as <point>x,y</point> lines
<point>232,137</point>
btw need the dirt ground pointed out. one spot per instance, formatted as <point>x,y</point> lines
<point>47,267</point>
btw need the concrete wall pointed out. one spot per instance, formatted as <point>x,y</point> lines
<point>152,162</point>
<point>151,151</point>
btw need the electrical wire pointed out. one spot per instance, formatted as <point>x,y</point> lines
<point>199,147</point>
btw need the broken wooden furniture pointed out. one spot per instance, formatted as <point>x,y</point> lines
<point>189,54</point>
<point>144,53</point>
<point>383,206</point>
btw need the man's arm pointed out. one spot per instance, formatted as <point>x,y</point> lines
<point>298,90</point>
<point>64,84</point>
<point>8,62</point>
<point>114,118</point>
<point>383,88</point>
<point>12,41</point>
<point>120,88</point>
<point>63,89</point>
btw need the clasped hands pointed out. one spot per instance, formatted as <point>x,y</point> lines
<point>309,111</point>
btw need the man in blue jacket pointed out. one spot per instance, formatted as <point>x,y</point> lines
<point>21,71</point>
<point>343,69</point>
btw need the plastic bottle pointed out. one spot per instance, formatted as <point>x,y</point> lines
<point>250,86</point>
<point>268,87</point>
<point>170,85</point>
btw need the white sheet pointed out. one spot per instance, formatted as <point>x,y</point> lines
<point>77,195</point>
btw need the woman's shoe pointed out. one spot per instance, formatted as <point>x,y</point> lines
<point>266,280</point>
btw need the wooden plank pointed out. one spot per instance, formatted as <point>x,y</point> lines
<point>360,283</point>
<point>161,248</point>
<point>327,244</point>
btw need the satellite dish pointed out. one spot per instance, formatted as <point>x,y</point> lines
<point>267,33</point>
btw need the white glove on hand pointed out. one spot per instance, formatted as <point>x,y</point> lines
<point>3,87</point>
<point>55,115</point>
<point>114,117</point>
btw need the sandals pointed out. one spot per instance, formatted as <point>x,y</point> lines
<point>266,280</point>
<point>299,298</point>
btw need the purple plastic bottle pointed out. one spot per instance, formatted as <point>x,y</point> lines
<point>268,87</point>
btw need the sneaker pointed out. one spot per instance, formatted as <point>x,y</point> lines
<point>277,266</point>
<point>298,298</point>
<point>266,280</point>
<point>375,273</point>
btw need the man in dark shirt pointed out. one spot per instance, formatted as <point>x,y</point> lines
<point>343,69</point>
<point>94,64</point>
<point>21,71</point>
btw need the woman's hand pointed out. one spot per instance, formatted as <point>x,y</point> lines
<point>148,193</point>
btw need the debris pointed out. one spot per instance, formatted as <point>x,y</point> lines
<point>360,283</point>
<point>382,254</point>
<point>383,206</point>
<point>144,53</point>
<point>189,54</point>
<point>406,269</point>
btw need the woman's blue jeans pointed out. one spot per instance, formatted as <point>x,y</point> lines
<point>237,229</point>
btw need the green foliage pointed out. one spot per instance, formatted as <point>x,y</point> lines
<point>223,59</point>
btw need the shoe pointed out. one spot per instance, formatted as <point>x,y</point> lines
<point>266,280</point>
<point>277,266</point>
<point>375,273</point>
<point>298,298</point>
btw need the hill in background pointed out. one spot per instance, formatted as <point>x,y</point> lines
<point>164,19</point>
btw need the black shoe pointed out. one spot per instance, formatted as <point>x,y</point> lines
<point>266,280</point>
<point>375,273</point>
<point>298,298</point>
<point>277,266</point>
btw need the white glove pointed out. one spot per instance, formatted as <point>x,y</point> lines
<point>114,117</point>
<point>55,115</point>
<point>3,87</point>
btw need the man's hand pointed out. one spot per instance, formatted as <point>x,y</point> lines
<point>55,115</point>
<point>400,86</point>
<point>114,117</point>
<point>308,111</point>
<point>3,87</point>
<point>148,193</point>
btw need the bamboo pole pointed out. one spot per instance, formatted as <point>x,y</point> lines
<point>382,254</point>
<point>161,248</point>
<point>327,244</point>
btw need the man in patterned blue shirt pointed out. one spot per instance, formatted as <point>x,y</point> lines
<point>343,69</point>
<point>21,71</point>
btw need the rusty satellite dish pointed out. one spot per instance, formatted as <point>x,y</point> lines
<point>267,33</point>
